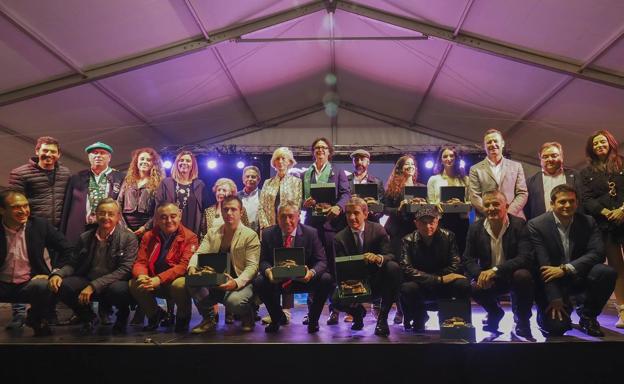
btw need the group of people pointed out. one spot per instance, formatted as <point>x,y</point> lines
<point>124,240</point>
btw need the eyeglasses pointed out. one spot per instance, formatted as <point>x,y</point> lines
<point>319,147</point>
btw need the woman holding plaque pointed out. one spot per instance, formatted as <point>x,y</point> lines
<point>603,198</point>
<point>449,173</point>
<point>326,218</point>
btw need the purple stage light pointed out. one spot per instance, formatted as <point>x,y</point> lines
<point>429,164</point>
<point>211,164</point>
<point>167,164</point>
<point>240,164</point>
<point>462,164</point>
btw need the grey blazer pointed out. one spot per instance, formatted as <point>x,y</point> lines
<point>513,185</point>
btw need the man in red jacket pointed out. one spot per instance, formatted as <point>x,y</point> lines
<point>161,265</point>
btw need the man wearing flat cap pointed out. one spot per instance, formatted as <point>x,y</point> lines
<point>360,175</point>
<point>431,268</point>
<point>87,188</point>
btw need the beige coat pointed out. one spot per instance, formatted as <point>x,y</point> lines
<point>244,251</point>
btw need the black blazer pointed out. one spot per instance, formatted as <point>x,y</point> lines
<point>517,248</point>
<point>306,237</point>
<point>73,220</point>
<point>586,246</point>
<point>380,193</point>
<point>535,205</point>
<point>40,234</point>
<point>376,241</point>
<point>122,252</point>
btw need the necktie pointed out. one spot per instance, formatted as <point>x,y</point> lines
<point>288,241</point>
<point>358,241</point>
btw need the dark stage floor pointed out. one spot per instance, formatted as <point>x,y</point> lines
<point>341,353</point>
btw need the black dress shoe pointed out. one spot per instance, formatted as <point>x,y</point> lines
<point>523,329</point>
<point>333,318</point>
<point>358,318</point>
<point>305,320</point>
<point>42,329</point>
<point>272,328</point>
<point>89,326</point>
<point>590,326</point>
<point>382,329</point>
<point>154,322</point>
<point>313,327</point>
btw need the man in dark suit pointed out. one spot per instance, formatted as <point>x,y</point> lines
<point>24,270</point>
<point>290,233</point>
<point>99,269</point>
<point>552,174</point>
<point>498,258</point>
<point>360,175</point>
<point>363,237</point>
<point>570,254</point>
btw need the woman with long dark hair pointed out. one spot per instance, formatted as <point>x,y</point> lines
<point>447,172</point>
<point>603,198</point>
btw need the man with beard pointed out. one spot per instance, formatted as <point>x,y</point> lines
<point>43,181</point>
<point>360,175</point>
<point>497,172</point>
<point>250,195</point>
<point>553,173</point>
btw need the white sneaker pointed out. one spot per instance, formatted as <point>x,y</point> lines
<point>620,322</point>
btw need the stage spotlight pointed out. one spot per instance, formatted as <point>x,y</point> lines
<point>167,164</point>
<point>429,164</point>
<point>462,164</point>
<point>212,164</point>
<point>240,164</point>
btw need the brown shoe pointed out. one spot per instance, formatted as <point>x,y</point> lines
<point>207,325</point>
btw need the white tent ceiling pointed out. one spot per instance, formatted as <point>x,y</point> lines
<point>156,72</point>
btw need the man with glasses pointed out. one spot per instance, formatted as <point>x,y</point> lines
<point>553,173</point>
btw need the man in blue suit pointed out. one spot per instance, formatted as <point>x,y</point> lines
<point>290,233</point>
<point>570,254</point>
<point>552,174</point>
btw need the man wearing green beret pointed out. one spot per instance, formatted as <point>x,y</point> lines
<point>87,188</point>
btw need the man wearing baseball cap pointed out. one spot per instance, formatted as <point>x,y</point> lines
<point>431,268</point>
<point>87,188</point>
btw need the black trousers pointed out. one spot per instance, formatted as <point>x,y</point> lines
<point>35,292</point>
<point>522,288</point>
<point>117,294</point>
<point>591,293</point>
<point>320,286</point>
<point>415,295</point>
<point>385,283</point>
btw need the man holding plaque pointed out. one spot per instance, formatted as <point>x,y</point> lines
<point>243,247</point>
<point>360,175</point>
<point>363,237</point>
<point>289,233</point>
<point>431,268</point>
<point>161,265</point>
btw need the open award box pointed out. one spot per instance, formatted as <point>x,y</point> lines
<point>352,277</point>
<point>323,193</point>
<point>369,192</point>
<point>412,192</point>
<point>456,320</point>
<point>453,192</point>
<point>288,263</point>
<point>211,270</point>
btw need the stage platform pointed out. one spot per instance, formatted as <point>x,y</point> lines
<point>334,354</point>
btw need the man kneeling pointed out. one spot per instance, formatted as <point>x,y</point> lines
<point>290,233</point>
<point>160,268</point>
